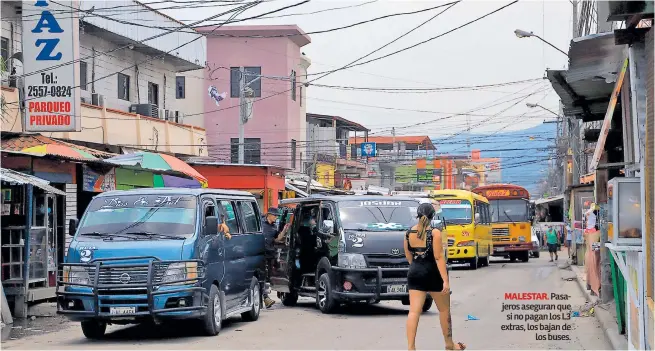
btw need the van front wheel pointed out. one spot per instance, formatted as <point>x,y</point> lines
<point>213,320</point>
<point>324,299</point>
<point>94,329</point>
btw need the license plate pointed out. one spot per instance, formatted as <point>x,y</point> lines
<point>397,288</point>
<point>500,249</point>
<point>117,311</point>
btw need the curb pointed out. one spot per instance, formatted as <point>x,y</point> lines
<point>604,317</point>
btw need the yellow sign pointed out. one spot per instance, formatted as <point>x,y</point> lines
<point>325,174</point>
<point>497,193</point>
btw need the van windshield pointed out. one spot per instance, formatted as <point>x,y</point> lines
<point>377,215</point>
<point>456,211</point>
<point>140,214</point>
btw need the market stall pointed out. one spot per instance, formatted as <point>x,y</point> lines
<point>30,237</point>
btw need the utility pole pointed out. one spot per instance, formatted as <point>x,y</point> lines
<point>243,113</point>
<point>311,170</point>
<point>393,133</point>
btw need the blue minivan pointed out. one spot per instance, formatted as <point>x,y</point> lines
<point>151,255</point>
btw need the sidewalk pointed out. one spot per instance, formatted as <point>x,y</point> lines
<point>605,314</point>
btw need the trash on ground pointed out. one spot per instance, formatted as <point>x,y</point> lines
<point>472,318</point>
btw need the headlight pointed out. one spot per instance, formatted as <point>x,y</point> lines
<point>176,272</point>
<point>351,260</point>
<point>466,243</point>
<point>76,275</point>
<point>522,239</point>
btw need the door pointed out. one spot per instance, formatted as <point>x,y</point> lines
<point>233,256</point>
<point>481,230</point>
<point>250,244</point>
<point>284,255</point>
<point>52,242</point>
<point>329,239</point>
<point>210,247</point>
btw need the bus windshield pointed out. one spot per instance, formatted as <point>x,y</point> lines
<point>509,210</point>
<point>456,211</point>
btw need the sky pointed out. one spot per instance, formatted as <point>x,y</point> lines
<point>485,52</point>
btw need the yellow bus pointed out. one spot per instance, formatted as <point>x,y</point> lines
<point>468,226</point>
<point>511,220</point>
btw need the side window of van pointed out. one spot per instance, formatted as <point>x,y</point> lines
<point>250,216</point>
<point>208,210</point>
<point>230,216</point>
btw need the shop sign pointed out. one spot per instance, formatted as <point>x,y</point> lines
<point>50,60</point>
<point>97,182</point>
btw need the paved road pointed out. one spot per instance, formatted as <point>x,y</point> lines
<point>479,293</point>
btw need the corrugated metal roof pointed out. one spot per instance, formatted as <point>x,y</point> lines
<point>13,177</point>
<point>594,63</point>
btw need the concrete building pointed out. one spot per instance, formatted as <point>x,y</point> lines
<point>120,68</point>
<point>276,129</point>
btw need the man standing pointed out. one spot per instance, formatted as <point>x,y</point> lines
<point>553,242</point>
<point>272,234</point>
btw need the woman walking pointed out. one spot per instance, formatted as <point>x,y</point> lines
<point>427,275</point>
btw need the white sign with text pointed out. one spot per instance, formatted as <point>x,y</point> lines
<point>50,54</point>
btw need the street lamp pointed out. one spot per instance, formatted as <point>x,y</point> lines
<point>525,34</point>
<point>537,105</point>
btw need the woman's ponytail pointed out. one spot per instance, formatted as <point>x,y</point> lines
<point>423,224</point>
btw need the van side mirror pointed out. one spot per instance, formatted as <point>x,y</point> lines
<point>72,226</point>
<point>328,226</point>
<point>211,225</point>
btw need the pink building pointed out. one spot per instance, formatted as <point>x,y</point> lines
<point>276,131</point>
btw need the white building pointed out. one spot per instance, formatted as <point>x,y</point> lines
<point>119,68</point>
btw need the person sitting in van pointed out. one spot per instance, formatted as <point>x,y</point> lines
<point>272,234</point>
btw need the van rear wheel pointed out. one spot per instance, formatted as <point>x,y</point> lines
<point>94,329</point>
<point>255,300</point>
<point>289,299</point>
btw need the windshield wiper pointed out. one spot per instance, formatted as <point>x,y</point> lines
<point>508,217</point>
<point>151,235</point>
<point>358,230</point>
<point>109,236</point>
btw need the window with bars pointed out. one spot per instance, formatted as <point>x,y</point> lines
<point>123,86</point>
<point>252,73</point>
<point>180,87</point>
<point>252,150</point>
<point>83,75</point>
<point>153,93</point>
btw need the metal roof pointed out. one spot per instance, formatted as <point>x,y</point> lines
<point>176,191</point>
<point>549,199</point>
<point>594,63</point>
<point>13,177</point>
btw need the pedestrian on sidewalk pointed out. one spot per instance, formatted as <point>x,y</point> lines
<point>272,235</point>
<point>569,236</point>
<point>553,242</point>
<point>427,275</point>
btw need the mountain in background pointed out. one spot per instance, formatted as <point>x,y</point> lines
<point>524,153</point>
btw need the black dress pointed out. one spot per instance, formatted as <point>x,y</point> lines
<point>423,273</point>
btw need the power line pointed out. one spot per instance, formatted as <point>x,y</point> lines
<point>428,40</point>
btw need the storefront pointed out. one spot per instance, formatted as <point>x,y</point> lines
<point>31,238</point>
<point>264,181</point>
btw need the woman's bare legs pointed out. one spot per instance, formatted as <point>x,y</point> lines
<point>416,301</point>
<point>443,305</point>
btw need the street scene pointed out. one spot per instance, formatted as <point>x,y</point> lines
<point>313,175</point>
<point>479,294</point>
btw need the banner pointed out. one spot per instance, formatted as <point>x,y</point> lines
<point>50,53</point>
<point>96,182</point>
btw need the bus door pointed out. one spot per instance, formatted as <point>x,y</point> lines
<point>482,230</point>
